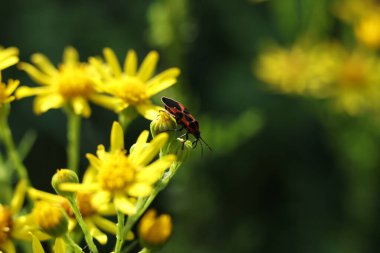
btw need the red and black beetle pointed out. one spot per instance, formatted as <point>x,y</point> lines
<point>184,118</point>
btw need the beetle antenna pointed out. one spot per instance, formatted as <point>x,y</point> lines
<point>205,144</point>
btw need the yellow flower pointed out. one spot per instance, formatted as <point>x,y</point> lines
<point>59,245</point>
<point>121,178</point>
<point>8,57</point>
<point>72,83</point>
<point>367,30</point>
<point>6,91</point>
<point>91,213</point>
<point>155,230</point>
<point>303,69</point>
<point>12,225</point>
<point>132,87</point>
<point>357,86</point>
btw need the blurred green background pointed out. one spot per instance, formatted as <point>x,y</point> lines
<point>287,174</point>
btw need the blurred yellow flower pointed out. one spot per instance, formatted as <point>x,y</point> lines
<point>132,86</point>
<point>367,30</point>
<point>8,57</point>
<point>72,83</point>
<point>350,79</point>
<point>357,86</point>
<point>121,178</point>
<point>364,17</point>
<point>303,69</point>
<point>12,225</point>
<point>155,230</point>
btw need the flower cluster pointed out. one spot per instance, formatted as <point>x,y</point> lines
<point>118,182</point>
<point>348,77</point>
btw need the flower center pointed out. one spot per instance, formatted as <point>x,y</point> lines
<point>47,215</point>
<point>353,74</point>
<point>5,223</point>
<point>74,81</point>
<point>84,203</point>
<point>117,172</point>
<point>132,90</point>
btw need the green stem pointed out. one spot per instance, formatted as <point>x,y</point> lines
<point>144,250</point>
<point>73,138</point>
<point>7,138</point>
<point>82,224</point>
<point>120,235</point>
<point>72,244</point>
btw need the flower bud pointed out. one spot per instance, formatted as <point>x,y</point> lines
<point>164,122</point>
<point>64,176</point>
<point>51,218</point>
<point>181,149</point>
<point>154,230</point>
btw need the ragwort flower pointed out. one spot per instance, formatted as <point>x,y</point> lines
<point>92,214</point>
<point>72,83</point>
<point>131,86</point>
<point>121,177</point>
<point>12,225</point>
<point>6,91</point>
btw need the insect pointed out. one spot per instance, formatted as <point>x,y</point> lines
<point>184,118</point>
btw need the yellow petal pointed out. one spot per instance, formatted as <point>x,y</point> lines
<point>95,232</point>
<point>70,56</point>
<point>117,137</point>
<point>35,74</point>
<point>112,61</point>
<point>47,102</point>
<point>94,161</point>
<point>18,196</point>
<point>148,66</point>
<point>130,64</point>
<point>160,86</point>
<point>152,150</point>
<point>108,102</point>
<point>81,107</point>
<point>8,246</point>
<point>8,62</point>
<point>148,110</point>
<point>8,52</point>
<point>104,224</point>
<point>171,73</point>
<point>153,172</point>
<point>25,91</point>
<point>140,190</point>
<point>139,145</point>
<point>101,198</point>
<point>11,87</point>
<point>36,244</point>
<point>44,64</point>
<point>59,246</point>
<point>123,204</point>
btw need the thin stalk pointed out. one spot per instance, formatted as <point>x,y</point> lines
<point>72,244</point>
<point>82,224</point>
<point>145,250</point>
<point>73,138</point>
<point>120,235</point>
<point>7,138</point>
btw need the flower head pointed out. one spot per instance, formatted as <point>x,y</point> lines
<point>131,86</point>
<point>12,224</point>
<point>72,83</point>
<point>120,177</point>
<point>155,230</point>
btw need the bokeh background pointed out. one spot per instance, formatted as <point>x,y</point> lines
<point>290,170</point>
